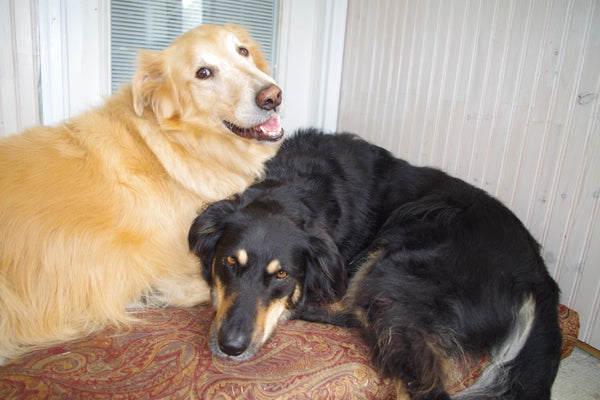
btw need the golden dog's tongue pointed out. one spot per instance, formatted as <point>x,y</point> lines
<point>271,125</point>
<point>269,130</point>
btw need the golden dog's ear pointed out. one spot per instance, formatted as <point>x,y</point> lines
<point>153,86</point>
<point>252,46</point>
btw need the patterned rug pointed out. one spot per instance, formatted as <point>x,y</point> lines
<point>166,356</point>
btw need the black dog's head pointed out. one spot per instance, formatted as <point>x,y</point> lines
<point>263,260</point>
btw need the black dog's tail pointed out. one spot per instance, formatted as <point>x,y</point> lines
<point>495,380</point>
<point>524,362</point>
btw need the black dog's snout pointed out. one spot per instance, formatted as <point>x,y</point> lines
<point>233,344</point>
<point>269,98</point>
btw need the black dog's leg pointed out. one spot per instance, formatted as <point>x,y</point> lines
<point>406,353</point>
<point>334,314</point>
<point>403,353</point>
<point>397,315</point>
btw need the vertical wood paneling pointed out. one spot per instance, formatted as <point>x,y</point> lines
<point>19,66</point>
<point>74,56</point>
<point>504,94</point>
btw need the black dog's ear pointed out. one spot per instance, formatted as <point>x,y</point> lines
<point>326,279</point>
<point>206,231</point>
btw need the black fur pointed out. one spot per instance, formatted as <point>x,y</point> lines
<point>430,267</point>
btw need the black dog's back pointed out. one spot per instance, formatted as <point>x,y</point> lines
<point>337,178</point>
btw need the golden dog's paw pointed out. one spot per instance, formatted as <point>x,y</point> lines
<point>153,298</point>
<point>181,291</point>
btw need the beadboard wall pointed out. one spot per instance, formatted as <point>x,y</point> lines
<point>19,66</point>
<point>502,93</point>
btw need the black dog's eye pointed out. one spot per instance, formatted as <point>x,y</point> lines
<point>281,274</point>
<point>243,51</point>
<point>203,73</point>
<point>230,260</point>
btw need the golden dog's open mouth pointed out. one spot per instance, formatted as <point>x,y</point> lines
<point>270,130</point>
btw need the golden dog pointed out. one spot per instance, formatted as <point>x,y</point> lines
<point>94,213</point>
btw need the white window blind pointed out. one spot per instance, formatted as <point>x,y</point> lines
<point>152,25</point>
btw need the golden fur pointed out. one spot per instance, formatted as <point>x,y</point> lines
<point>94,213</point>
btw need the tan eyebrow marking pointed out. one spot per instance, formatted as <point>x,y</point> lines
<point>242,256</point>
<point>273,266</point>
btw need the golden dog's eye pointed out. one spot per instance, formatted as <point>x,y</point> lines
<point>203,73</point>
<point>230,260</point>
<point>281,274</point>
<point>243,51</point>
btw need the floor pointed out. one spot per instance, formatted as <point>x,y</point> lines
<point>578,377</point>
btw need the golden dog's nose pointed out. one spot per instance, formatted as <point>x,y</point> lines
<point>269,98</point>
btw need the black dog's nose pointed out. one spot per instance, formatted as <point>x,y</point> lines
<point>233,345</point>
<point>269,98</point>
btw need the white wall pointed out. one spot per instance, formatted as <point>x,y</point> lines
<point>310,55</point>
<point>74,56</point>
<point>55,60</point>
<point>506,95</point>
<point>19,66</point>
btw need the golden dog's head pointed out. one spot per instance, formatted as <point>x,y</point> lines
<point>211,77</point>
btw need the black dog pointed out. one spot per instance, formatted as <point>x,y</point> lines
<point>431,268</point>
